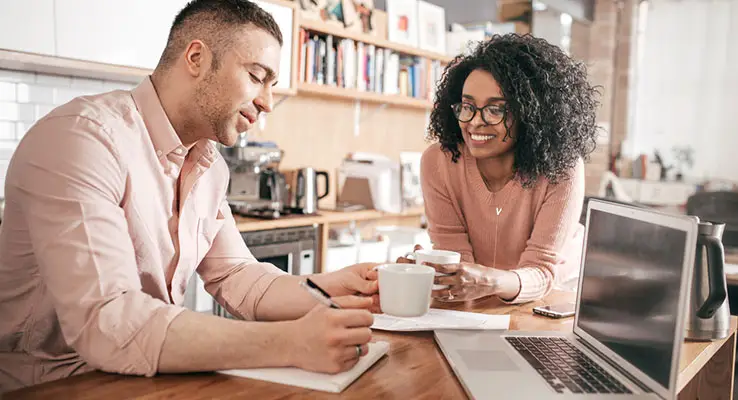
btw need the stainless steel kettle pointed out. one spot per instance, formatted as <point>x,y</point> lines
<point>709,312</point>
<point>304,190</point>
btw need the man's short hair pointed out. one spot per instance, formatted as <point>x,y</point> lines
<point>215,22</point>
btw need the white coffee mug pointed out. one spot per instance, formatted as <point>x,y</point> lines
<point>405,289</point>
<point>440,257</point>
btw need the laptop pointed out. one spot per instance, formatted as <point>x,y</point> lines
<point>628,328</point>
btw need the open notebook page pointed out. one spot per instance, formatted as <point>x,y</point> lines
<point>335,383</point>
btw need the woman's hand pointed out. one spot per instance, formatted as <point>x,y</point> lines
<point>469,281</point>
<point>405,260</point>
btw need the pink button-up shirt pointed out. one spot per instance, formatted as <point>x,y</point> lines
<point>107,217</point>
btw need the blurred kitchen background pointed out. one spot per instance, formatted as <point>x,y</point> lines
<point>331,177</point>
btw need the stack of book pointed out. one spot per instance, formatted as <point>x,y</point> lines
<point>345,63</point>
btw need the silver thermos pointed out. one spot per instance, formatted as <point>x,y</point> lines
<point>709,312</point>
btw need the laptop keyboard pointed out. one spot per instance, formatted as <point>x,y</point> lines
<point>564,366</point>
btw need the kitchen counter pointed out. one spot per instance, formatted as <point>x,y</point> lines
<point>322,218</point>
<point>323,221</point>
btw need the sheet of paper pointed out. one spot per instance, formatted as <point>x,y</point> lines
<point>335,383</point>
<point>441,319</point>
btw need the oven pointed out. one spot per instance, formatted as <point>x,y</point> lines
<point>293,250</point>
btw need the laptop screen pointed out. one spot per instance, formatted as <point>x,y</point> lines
<point>630,290</point>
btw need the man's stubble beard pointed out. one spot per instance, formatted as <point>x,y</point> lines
<point>214,114</point>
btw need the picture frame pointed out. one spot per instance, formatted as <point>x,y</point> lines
<point>431,27</point>
<point>329,11</point>
<point>402,22</point>
<point>360,16</point>
<point>310,9</point>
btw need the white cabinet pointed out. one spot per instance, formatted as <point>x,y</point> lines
<point>131,32</point>
<point>27,26</point>
<point>121,32</point>
<point>658,193</point>
<point>284,16</point>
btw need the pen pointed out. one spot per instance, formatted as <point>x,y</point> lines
<point>321,295</point>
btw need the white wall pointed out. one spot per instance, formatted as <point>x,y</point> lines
<point>26,96</point>
<point>687,85</point>
<point>547,24</point>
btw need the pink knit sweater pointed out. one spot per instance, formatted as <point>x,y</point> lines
<point>537,233</point>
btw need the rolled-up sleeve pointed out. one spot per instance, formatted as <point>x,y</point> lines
<point>71,182</point>
<point>231,274</point>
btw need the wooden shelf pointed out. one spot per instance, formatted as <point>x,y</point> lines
<point>328,29</point>
<point>45,64</point>
<point>324,217</point>
<point>343,93</point>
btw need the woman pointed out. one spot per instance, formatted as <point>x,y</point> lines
<point>505,184</point>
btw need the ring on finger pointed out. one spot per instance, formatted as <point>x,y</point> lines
<point>358,351</point>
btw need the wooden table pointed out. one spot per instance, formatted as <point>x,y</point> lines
<point>413,369</point>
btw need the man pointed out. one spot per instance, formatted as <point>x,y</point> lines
<point>113,201</point>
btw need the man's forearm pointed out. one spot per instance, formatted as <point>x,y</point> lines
<point>200,342</point>
<point>285,299</point>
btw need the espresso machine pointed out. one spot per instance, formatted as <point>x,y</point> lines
<point>256,187</point>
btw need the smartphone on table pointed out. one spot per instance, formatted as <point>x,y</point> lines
<point>561,310</point>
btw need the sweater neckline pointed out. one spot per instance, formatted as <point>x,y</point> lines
<point>500,198</point>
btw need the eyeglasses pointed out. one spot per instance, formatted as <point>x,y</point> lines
<point>492,114</point>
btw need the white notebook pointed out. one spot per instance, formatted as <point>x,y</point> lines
<point>313,380</point>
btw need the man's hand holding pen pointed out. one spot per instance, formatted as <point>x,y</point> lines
<point>336,332</point>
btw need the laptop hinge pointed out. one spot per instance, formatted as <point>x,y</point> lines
<point>616,367</point>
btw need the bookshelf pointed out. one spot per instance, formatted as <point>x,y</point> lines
<point>334,62</point>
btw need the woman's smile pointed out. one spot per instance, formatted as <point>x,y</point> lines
<point>480,139</point>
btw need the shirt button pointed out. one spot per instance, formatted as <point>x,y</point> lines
<point>159,153</point>
<point>178,150</point>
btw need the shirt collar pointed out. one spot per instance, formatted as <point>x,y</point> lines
<point>163,136</point>
<point>161,131</point>
<point>206,152</point>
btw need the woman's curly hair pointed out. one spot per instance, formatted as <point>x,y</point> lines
<point>551,101</point>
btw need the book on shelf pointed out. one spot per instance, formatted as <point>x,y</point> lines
<point>345,63</point>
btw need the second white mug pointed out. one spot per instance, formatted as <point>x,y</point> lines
<point>440,257</point>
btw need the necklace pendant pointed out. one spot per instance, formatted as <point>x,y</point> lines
<point>499,210</point>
